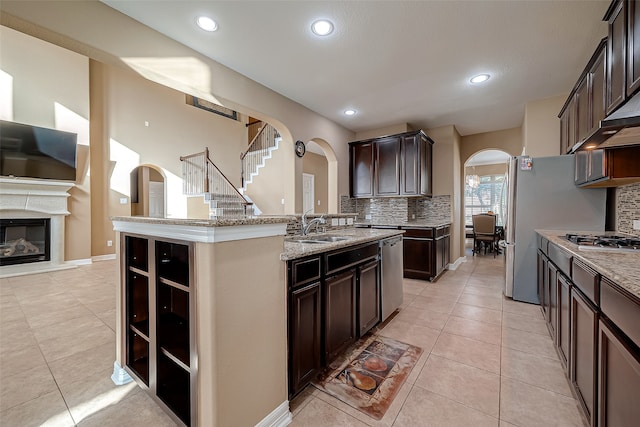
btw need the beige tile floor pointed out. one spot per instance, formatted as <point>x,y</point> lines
<point>486,361</point>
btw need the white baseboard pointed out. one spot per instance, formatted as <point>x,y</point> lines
<point>103,257</point>
<point>279,417</point>
<point>120,376</point>
<point>454,265</point>
<point>85,261</point>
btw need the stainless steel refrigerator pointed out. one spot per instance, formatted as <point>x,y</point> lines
<point>543,197</point>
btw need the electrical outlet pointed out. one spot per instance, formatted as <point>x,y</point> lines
<point>123,200</point>
<point>349,221</point>
<point>636,224</point>
<point>342,221</point>
<point>283,201</point>
<point>109,242</point>
<point>368,216</point>
<point>334,222</point>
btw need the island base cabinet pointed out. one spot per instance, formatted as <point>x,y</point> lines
<point>619,379</point>
<point>340,319</point>
<point>304,336</point>
<point>584,323</point>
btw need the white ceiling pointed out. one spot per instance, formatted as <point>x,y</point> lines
<point>395,61</point>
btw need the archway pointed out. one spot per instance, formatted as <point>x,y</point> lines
<point>326,164</point>
<point>148,191</point>
<point>485,176</point>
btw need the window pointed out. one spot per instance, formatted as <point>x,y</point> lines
<point>488,196</point>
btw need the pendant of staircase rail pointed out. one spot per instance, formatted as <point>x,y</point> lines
<point>259,147</point>
<point>202,177</point>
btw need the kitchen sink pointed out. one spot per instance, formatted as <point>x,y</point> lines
<point>321,239</point>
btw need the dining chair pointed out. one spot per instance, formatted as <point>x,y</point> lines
<point>484,232</point>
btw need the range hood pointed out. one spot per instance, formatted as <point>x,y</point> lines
<point>620,128</point>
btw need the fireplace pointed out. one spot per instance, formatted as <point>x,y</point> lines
<point>25,240</point>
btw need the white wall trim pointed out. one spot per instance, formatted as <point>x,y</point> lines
<point>84,261</point>
<point>120,376</point>
<point>279,417</point>
<point>32,268</point>
<point>454,265</point>
<point>201,233</point>
<point>103,257</point>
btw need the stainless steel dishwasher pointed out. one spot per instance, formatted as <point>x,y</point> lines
<point>391,274</point>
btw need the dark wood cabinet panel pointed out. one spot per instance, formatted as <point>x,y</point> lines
<point>410,153</point>
<point>572,124</point>
<point>340,313</point>
<point>633,47</point>
<point>551,295</point>
<point>361,169</point>
<point>581,159</point>
<point>608,167</point>
<point>583,115</point>
<point>564,132</point>
<point>616,53</point>
<point>564,316</point>
<point>387,167</point>
<point>543,283</point>
<point>417,254</point>
<point>368,297</point>
<point>304,336</point>
<point>584,324</point>
<point>597,89</point>
<point>426,169</point>
<point>618,379</point>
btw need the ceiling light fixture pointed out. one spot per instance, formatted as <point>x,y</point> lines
<point>207,23</point>
<point>480,78</point>
<point>350,112</point>
<point>322,27</point>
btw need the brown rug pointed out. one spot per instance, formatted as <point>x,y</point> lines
<point>371,376</point>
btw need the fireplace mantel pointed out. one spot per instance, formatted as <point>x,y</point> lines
<point>37,198</point>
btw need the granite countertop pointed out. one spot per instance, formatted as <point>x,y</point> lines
<point>415,223</point>
<point>293,250</point>
<point>222,222</point>
<point>621,267</point>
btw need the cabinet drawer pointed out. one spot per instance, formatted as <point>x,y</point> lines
<point>348,257</point>
<point>419,232</point>
<point>560,258</point>
<point>587,280</point>
<point>621,309</point>
<point>442,231</point>
<point>304,271</point>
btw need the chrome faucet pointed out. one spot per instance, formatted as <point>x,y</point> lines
<point>306,226</point>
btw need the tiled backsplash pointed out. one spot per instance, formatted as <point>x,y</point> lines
<point>627,208</point>
<point>294,227</point>
<point>398,209</point>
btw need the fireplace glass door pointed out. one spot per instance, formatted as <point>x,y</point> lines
<point>24,240</point>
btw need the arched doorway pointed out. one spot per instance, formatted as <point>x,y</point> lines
<point>485,174</point>
<point>148,192</point>
<point>320,161</point>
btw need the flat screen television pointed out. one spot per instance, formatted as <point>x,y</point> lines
<point>34,152</point>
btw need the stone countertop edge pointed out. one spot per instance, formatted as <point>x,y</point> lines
<point>620,267</point>
<point>416,223</point>
<point>294,250</point>
<point>222,222</point>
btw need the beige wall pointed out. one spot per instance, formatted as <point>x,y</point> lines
<point>541,126</point>
<point>508,140</point>
<point>49,87</point>
<point>316,165</point>
<point>388,130</point>
<point>268,189</point>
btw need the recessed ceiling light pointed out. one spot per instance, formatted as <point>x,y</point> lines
<point>207,23</point>
<point>349,112</point>
<point>322,27</point>
<point>480,78</point>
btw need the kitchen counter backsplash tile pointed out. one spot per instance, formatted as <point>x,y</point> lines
<point>627,208</point>
<point>620,267</point>
<point>399,210</point>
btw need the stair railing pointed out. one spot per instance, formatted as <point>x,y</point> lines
<point>256,151</point>
<point>202,177</point>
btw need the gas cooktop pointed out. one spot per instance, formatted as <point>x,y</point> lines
<point>604,242</point>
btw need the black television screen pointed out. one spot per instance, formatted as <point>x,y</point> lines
<point>36,152</point>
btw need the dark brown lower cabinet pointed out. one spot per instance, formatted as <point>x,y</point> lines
<point>543,283</point>
<point>340,313</point>
<point>564,313</point>
<point>619,379</point>
<point>552,298</point>
<point>368,297</point>
<point>417,253</point>
<point>304,335</point>
<point>584,326</point>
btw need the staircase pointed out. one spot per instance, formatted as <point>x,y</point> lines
<point>201,177</point>
<point>259,151</point>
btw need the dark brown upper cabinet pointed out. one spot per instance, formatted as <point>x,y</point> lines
<point>607,167</point>
<point>395,165</point>
<point>581,114</point>
<point>633,47</point>
<point>616,51</point>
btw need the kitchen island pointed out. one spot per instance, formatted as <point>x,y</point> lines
<point>590,298</point>
<point>201,317</point>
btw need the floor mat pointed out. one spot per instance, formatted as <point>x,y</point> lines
<point>371,376</point>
